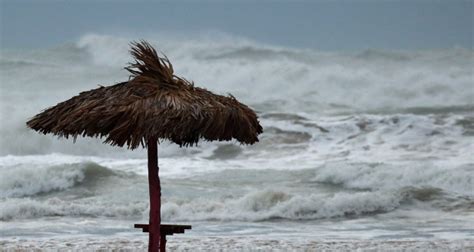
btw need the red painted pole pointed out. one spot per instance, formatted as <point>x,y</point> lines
<point>163,243</point>
<point>155,196</point>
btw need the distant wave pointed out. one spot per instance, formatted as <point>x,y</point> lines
<point>271,79</point>
<point>360,81</point>
<point>367,80</point>
<point>468,108</point>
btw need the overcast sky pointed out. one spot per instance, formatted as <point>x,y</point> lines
<point>324,25</point>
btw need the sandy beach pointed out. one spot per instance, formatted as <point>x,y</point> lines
<point>238,244</point>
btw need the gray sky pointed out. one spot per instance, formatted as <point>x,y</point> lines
<point>325,25</point>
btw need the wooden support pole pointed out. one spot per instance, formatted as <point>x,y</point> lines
<point>163,243</point>
<point>155,196</point>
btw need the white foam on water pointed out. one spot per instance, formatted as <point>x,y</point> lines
<point>377,137</point>
<point>269,204</point>
<point>376,176</point>
<point>27,208</point>
<point>293,81</point>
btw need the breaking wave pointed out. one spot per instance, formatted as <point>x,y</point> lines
<point>271,205</point>
<point>332,190</point>
<point>379,176</point>
<point>31,208</point>
<point>31,180</point>
<point>255,206</point>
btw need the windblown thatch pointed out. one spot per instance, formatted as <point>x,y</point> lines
<point>155,103</point>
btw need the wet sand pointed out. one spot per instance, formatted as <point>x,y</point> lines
<point>237,244</point>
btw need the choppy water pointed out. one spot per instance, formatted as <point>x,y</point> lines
<point>356,145</point>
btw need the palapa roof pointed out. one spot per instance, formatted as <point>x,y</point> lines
<point>154,103</point>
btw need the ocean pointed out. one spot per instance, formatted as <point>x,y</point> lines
<point>370,148</point>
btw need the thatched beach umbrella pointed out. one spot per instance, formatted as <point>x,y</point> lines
<point>154,104</point>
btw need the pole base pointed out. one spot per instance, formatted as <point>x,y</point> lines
<point>165,229</point>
